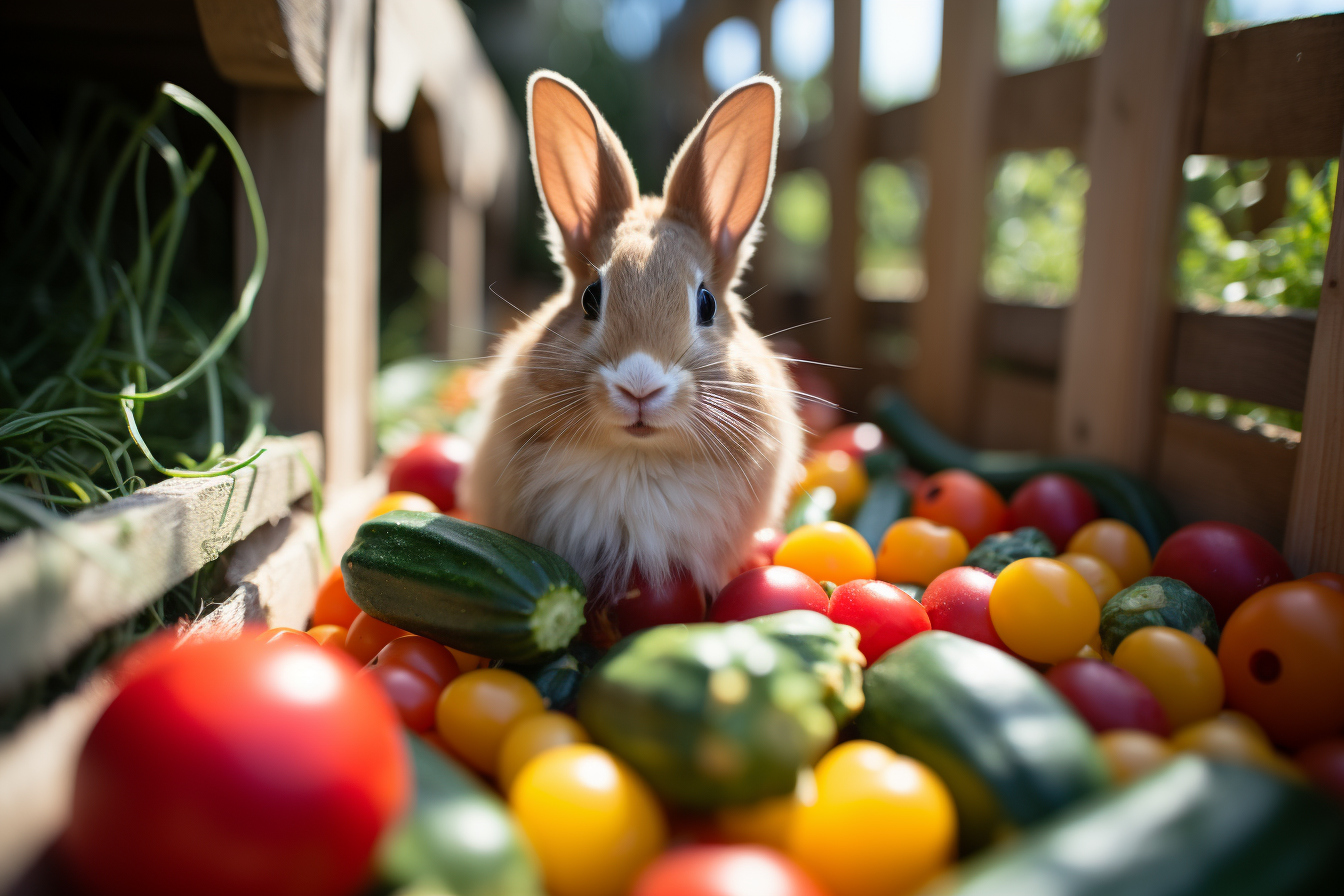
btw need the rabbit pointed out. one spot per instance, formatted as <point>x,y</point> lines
<point>637,419</point>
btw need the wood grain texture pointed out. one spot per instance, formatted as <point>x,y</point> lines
<point>1275,90</point>
<point>267,43</point>
<point>1117,335</point>
<point>1260,358</point>
<point>1043,109</point>
<point>1315,535</point>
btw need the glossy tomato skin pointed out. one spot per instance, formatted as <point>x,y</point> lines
<point>645,604</point>
<point>334,606</point>
<point>962,500</point>
<point>720,870</point>
<point>1108,697</point>
<point>883,614</point>
<point>1331,580</point>
<point>423,655</point>
<point>855,439</point>
<point>413,694</point>
<point>432,467</point>
<point>1225,563</point>
<point>273,753</point>
<point>957,601</point>
<point>1056,504</point>
<point>366,636</point>
<point>766,590</point>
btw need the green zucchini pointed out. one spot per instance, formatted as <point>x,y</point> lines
<point>913,589</point>
<point>1010,749</point>
<point>994,552</point>
<point>829,649</point>
<point>886,462</point>
<point>472,588</point>
<point>458,838</point>
<point>1193,828</point>
<point>558,680</point>
<point>1158,600</point>
<point>886,502</point>
<point>816,506</point>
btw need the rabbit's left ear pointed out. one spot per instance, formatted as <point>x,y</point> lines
<point>720,180</point>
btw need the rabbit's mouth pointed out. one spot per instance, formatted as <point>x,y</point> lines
<point>640,429</point>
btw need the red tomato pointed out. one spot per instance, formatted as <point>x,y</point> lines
<point>261,769</point>
<point>1332,580</point>
<point>766,590</point>
<point>884,615</point>
<point>367,636</point>
<point>1108,697</point>
<point>431,467</point>
<point>958,601</point>
<point>714,870</point>
<point>334,606</point>
<point>414,695</point>
<point>646,604</point>
<point>855,439</point>
<point>429,658</point>
<point>1323,762</point>
<point>1056,504</point>
<point>1223,562</point>
<point>963,501</point>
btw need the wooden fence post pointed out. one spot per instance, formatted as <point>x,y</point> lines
<point>956,151</point>
<point>1113,367</point>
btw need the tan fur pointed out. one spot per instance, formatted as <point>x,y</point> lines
<point>555,463</point>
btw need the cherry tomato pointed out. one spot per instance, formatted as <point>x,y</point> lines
<point>766,590</point>
<point>764,543</point>
<point>884,615</point>
<point>881,823</point>
<point>285,636</point>
<point>1131,754</point>
<point>1043,610</point>
<point>918,550</point>
<point>592,822</point>
<point>1108,697</point>
<point>1220,738</point>
<point>330,636</point>
<point>962,500</point>
<point>720,870</point>
<point>334,606</point>
<point>1223,562</point>
<point>531,736</point>
<point>1105,583</point>
<point>1056,504</point>
<point>1116,542</point>
<point>765,823</point>
<point>840,472</point>
<point>1332,580</point>
<point>367,636</point>
<point>430,658</point>
<point>401,501</point>
<point>466,661</point>
<point>855,439</point>
<point>431,467</point>
<point>958,601</point>
<point>477,709</point>
<point>1181,672</point>
<point>294,755</point>
<point>644,604</point>
<point>413,694</point>
<point>1282,654</point>
<point>828,552</point>
<point>1323,763</point>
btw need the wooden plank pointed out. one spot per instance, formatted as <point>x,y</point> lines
<point>54,596</point>
<point>1017,411</point>
<point>1261,357</point>
<point>957,126</point>
<point>1210,470</point>
<point>899,133</point>
<point>1043,109</point>
<point>1025,335</point>
<point>267,43</point>
<point>1275,90</point>
<point>1116,338</point>
<point>1315,532</point>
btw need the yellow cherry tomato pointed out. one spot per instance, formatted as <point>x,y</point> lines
<point>1182,673</point>
<point>828,552</point>
<point>766,822</point>
<point>1098,573</point>
<point>881,823</point>
<point>332,636</point>
<point>1116,542</point>
<point>533,736</point>
<point>1043,610</point>
<point>401,501</point>
<point>1130,754</point>
<point>917,550</point>
<point>476,710</point>
<point>593,823</point>
<point>840,472</point>
<point>466,661</point>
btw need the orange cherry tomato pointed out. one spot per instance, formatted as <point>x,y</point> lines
<point>401,501</point>
<point>1116,542</point>
<point>531,736</point>
<point>1043,610</point>
<point>1332,580</point>
<point>332,636</point>
<point>466,661</point>
<point>842,473</point>
<point>828,552</point>
<point>477,709</point>
<point>334,606</point>
<point>1130,754</point>
<point>962,500</point>
<point>1232,741</point>
<point>430,658</point>
<point>766,822</point>
<point>918,550</point>
<point>367,636</point>
<point>1105,583</point>
<point>285,636</point>
<point>1181,672</point>
<point>1282,654</point>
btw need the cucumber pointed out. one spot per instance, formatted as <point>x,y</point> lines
<point>472,588</point>
<point>458,838</point>
<point>1010,749</point>
<point>886,462</point>
<point>1119,494</point>
<point>886,502</point>
<point>1193,828</point>
<point>816,506</point>
<point>1158,600</point>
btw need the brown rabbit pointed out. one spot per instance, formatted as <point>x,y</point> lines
<point>637,418</point>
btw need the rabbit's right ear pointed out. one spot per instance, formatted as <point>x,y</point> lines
<point>582,171</point>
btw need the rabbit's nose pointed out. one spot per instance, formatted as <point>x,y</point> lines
<point>643,392</point>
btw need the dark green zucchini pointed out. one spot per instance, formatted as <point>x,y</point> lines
<point>886,462</point>
<point>1193,828</point>
<point>1010,749</point>
<point>886,502</point>
<point>472,588</point>
<point>816,506</point>
<point>558,680</point>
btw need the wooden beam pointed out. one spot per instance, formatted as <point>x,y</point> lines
<point>956,152</point>
<point>1024,335</point>
<point>1016,412</point>
<point>271,43</point>
<point>1043,109</point>
<point>898,133</point>
<point>1117,336</point>
<point>1262,358</point>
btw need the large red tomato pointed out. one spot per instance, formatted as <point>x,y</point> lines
<point>962,500</point>
<point>1108,697</point>
<point>431,467</point>
<point>1056,504</point>
<point>958,601</point>
<point>766,590</point>
<point>883,614</point>
<point>1223,562</point>
<point>644,604</point>
<point>712,870</point>
<point>855,439</point>
<point>232,767</point>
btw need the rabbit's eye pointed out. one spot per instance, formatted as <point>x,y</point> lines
<point>592,300</point>
<point>705,308</point>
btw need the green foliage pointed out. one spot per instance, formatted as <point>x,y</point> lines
<point>1242,414</point>
<point>1034,244</point>
<point>1071,28</point>
<point>802,207</point>
<point>891,213</point>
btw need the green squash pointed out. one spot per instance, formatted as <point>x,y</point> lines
<point>829,649</point>
<point>1158,600</point>
<point>886,502</point>
<point>810,508</point>
<point>996,551</point>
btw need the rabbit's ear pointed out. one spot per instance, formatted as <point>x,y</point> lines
<point>720,179</point>
<point>582,170</point>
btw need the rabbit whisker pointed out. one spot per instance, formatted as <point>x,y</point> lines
<point>809,323</point>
